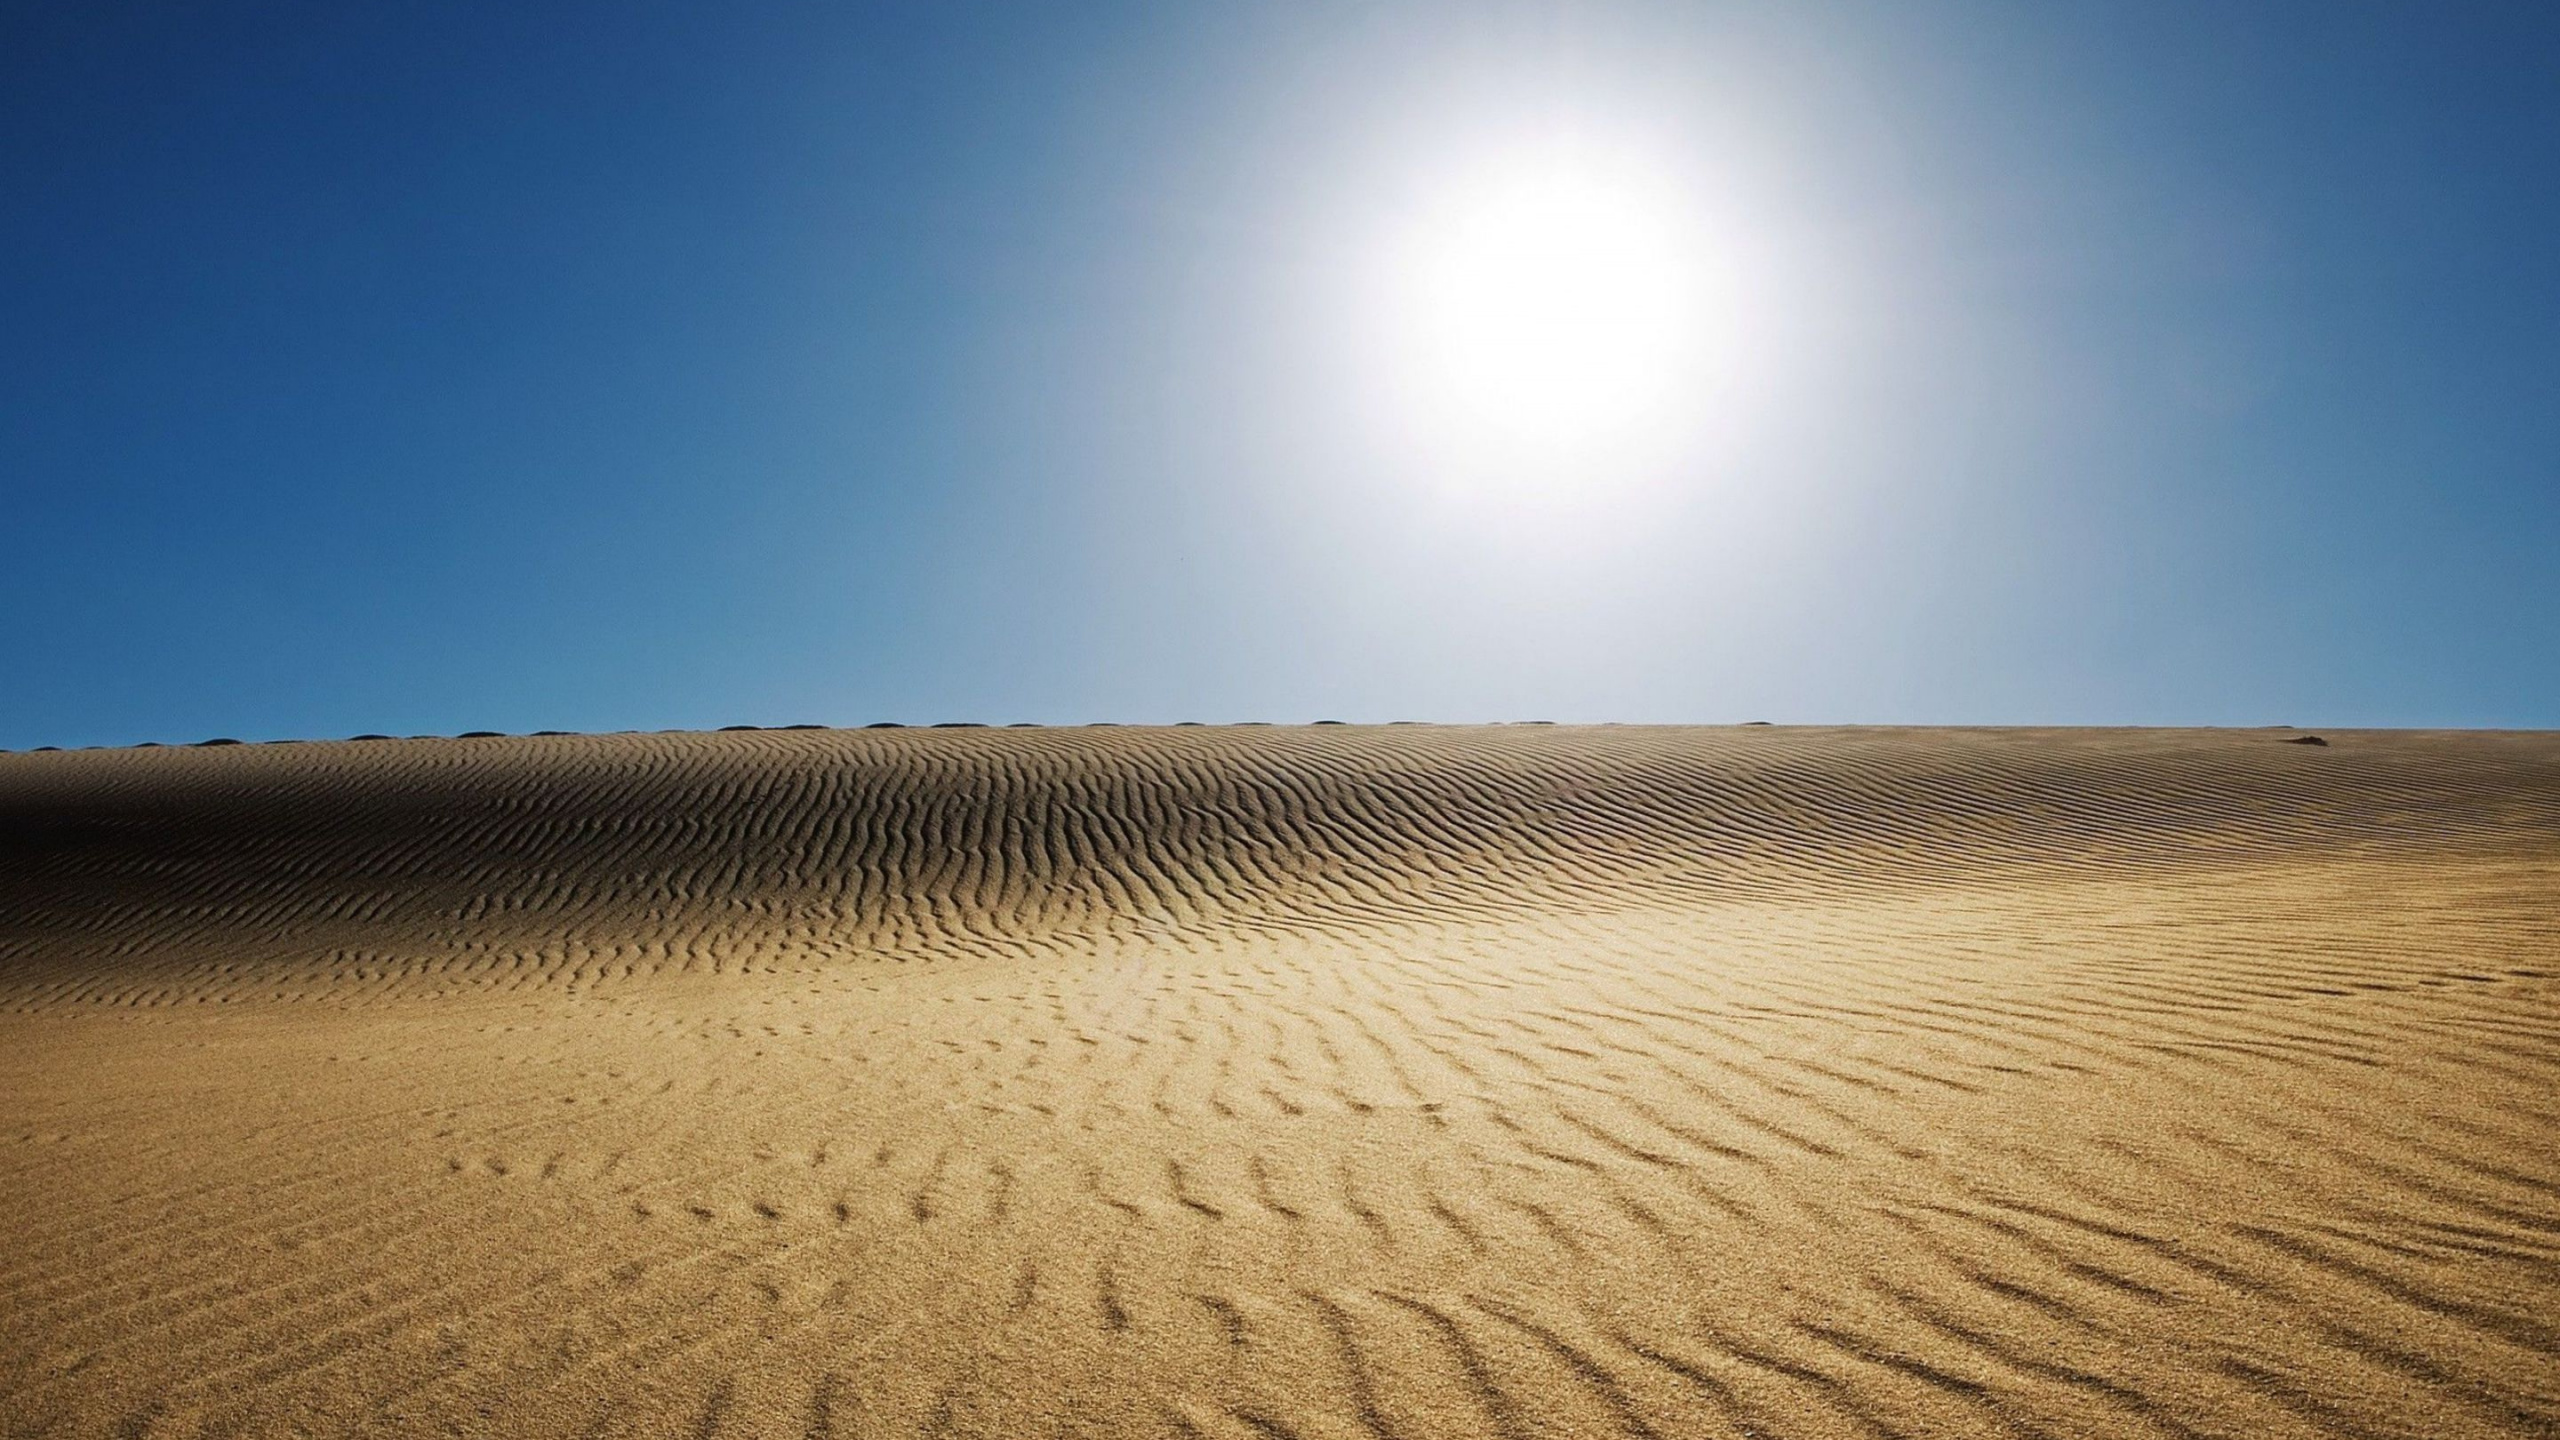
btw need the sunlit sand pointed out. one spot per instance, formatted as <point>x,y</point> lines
<point>1270,1082</point>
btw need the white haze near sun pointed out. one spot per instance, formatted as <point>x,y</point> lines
<point>1477,372</point>
<point>1517,369</point>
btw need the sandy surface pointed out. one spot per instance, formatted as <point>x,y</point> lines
<point>1258,1082</point>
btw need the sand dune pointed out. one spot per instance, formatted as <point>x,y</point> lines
<point>1278,1082</point>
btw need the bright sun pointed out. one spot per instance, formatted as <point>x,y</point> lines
<point>1553,307</point>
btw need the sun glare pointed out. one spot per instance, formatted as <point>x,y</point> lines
<point>1553,310</point>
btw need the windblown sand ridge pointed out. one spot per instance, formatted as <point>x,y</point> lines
<point>1354,1081</point>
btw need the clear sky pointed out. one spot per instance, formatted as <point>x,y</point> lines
<point>421,368</point>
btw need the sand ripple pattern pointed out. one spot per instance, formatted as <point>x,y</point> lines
<point>1262,1082</point>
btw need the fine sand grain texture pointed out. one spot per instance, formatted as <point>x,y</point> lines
<point>1274,1082</point>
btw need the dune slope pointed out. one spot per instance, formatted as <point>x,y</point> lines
<point>1278,1082</point>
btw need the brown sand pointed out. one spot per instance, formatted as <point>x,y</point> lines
<point>1351,1082</point>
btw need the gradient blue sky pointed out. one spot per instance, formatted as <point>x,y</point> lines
<point>425,368</point>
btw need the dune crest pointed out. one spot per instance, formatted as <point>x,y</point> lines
<point>1344,1081</point>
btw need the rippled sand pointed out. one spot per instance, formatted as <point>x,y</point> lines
<point>1255,1082</point>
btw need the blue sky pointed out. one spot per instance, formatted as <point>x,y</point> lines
<point>429,368</point>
